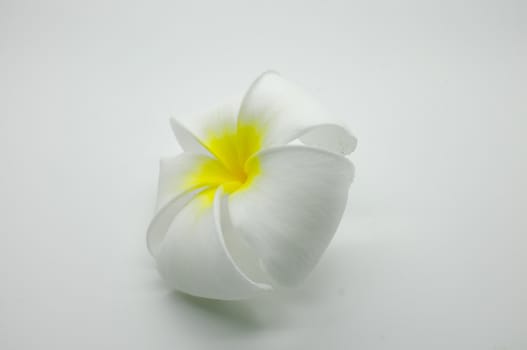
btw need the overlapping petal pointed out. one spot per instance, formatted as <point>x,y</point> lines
<point>180,179</point>
<point>286,112</point>
<point>159,225</point>
<point>173,174</point>
<point>194,256</point>
<point>174,192</point>
<point>290,213</point>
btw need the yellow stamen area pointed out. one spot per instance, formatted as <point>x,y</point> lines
<point>231,147</point>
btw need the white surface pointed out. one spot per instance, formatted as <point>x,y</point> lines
<point>431,253</point>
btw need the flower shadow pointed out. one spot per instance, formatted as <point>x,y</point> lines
<point>226,317</point>
<point>279,309</point>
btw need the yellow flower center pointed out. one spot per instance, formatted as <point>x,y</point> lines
<point>231,147</point>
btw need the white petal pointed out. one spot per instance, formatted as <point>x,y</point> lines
<point>172,173</point>
<point>194,258</point>
<point>286,112</point>
<point>291,210</point>
<point>191,132</point>
<point>174,192</point>
<point>159,225</point>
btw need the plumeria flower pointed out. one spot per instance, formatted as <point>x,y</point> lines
<point>256,196</point>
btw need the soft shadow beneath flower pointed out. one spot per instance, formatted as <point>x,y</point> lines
<point>274,311</point>
<point>246,315</point>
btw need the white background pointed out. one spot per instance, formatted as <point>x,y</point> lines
<point>431,252</point>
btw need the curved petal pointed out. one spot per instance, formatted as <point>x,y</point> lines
<point>180,179</point>
<point>161,222</point>
<point>173,172</point>
<point>292,208</point>
<point>285,112</point>
<point>195,259</point>
<point>193,132</point>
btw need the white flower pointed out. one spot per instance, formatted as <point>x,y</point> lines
<point>241,209</point>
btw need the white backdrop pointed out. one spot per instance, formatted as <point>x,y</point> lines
<point>431,253</point>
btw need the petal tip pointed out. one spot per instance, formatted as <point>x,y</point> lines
<point>270,72</point>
